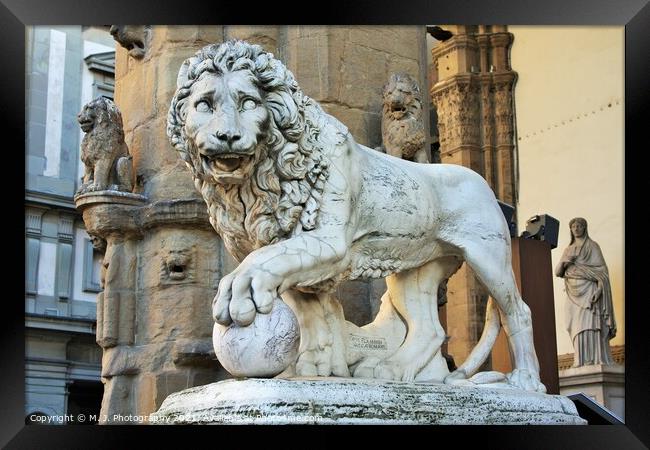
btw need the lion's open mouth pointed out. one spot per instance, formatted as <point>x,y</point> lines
<point>225,163</point>
<point>86,125</point>
<point>398,111</point>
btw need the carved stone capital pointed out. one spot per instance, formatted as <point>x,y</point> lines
<point>458,41</point>
<point>483,40</point>
<point>110,212</point>
<point>457,105</point>
<point>504,79</point>
<point>501,39</point>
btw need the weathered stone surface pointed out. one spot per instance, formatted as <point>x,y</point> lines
<point>364,126</point>
<point>264,348</point>
<point>402,128</point>
<point>137,103</point>
<point>397,40</point>
<point>132,37</point>
<point>360,402</point>
<point>108,164</point>
<point>266,36</point>
<point>82,201</point>
<point>304,207</point>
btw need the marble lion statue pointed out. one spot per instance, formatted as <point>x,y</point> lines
<point>302,206</point>
<point>402,129</point>
<point>103,149</point>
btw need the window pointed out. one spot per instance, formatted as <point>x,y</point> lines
<point>92,268</point>
<point>102,66</point>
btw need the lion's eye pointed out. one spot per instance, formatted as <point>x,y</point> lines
<point>249,103</point>
<point>203,106</point>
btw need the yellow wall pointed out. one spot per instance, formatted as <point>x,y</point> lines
<point>570,138</point>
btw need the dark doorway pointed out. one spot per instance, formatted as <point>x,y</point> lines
<point>84,400</point>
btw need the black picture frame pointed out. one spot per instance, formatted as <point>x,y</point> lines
<point>633,14</point>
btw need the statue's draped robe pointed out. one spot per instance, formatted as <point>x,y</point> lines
<point>590,323</point>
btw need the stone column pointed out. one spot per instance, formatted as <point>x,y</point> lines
<point>473,101</point>
<point>503,116</point>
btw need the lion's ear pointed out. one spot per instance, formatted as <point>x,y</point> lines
<point>181,80</point>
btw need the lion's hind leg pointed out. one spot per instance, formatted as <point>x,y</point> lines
<point>492,265</point>
<point>414,296</point>
<point>101,176</point>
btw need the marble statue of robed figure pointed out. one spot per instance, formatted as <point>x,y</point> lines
<point>589,309</point>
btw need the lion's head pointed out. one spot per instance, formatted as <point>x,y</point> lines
<point>99,112</point>
<point>401,127</point>
<point>131,37</point>
<point>250,138</point>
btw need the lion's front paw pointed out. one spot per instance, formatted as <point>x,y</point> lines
<point>526,380</point>
<point>312,363</point>
<point>242,294</point>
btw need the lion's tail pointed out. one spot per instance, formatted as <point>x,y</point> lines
<point>481,351</point>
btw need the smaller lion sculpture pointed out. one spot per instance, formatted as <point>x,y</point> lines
<point>103,150</point>
<point>402,130</point>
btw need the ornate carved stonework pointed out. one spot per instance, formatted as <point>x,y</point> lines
<point>473,101</point>
<point>132,37</point>
<point>488,127</point>
<point>177,260</point>
<point>458,113</point>
<point>402,128</point>
<point>503,108</point>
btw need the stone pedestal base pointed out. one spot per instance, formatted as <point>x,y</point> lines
<point>115,197</point>
<point>603,384</point>
<point>357,401</point>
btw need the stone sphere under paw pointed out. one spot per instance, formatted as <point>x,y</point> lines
<point>262,349</point>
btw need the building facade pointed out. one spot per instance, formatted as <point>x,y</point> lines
<point>65,68</point>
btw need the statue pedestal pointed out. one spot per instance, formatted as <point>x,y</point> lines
<point>604,384</point>
<point>357,401</point>
<point>108,196</point>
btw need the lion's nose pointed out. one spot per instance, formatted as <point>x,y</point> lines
<point>228,136</point>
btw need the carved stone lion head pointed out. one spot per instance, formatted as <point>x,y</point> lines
<point>131,37</point>
<point>99,112</point>
<point>238,119</point>
<point>401,127</point>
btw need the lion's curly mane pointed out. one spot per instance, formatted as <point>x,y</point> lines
<point>405,135</point>
<point>106,138</point>
<point>282,195</point>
